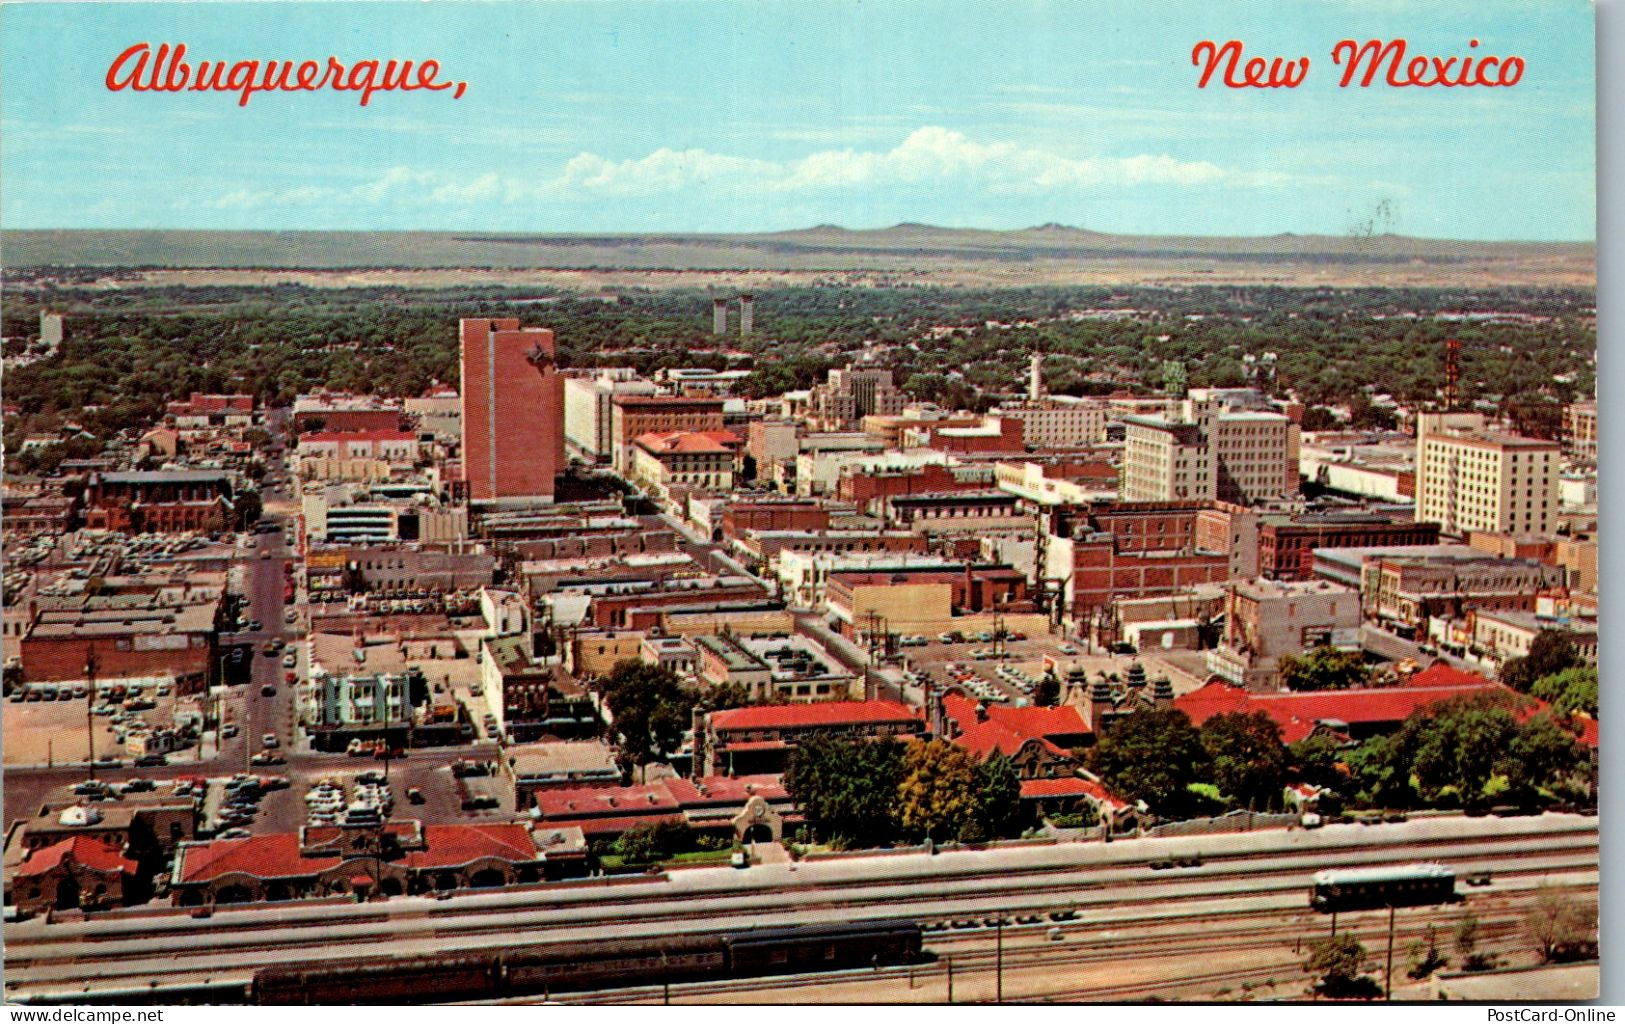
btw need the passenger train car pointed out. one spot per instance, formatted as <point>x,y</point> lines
<point>587,966</point>
<point>1408,885</point>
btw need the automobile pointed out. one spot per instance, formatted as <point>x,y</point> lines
<point>270,782</point>
<point>1016,635</point>
<point>80,690</point>
<point>984,638</point>
<point>233,833</point>
<point>35,695</point>
<point>266,759</point>
<point>18,696</point>
<point>49,693</point>
<point>269,740</point>
<point>1188,862</point>
<point>1063,915</point>
<point>151,761</point>
<point>1161,865</point>
<point>268,690</point>
<point>1067,649</point>
<point>290,660</point>
<point>1478,879</point>
<point>415,795</point>
<point>290,616</point>
<point>163,689</point>
<point>739,859</point>
<point>108,762</point>
<point>290,678</point>
<point>228,730</point>
<point>89,788</point>
<point>477,691</point>
<point>481,803</point>
<point>492,731</point>
<point>277,643</point>
<point>1311,820</point>
<point>264,555</point>
<point>254,626</point>
<point>269,650</point>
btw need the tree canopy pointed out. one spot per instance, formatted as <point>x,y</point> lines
<point>847,787</point>
<point>651,710</point>
<point>1248,758</point>
<point>1550,652</point>
<point>1325,668</point>
<point>1152,755</point>
<point>939,796</point>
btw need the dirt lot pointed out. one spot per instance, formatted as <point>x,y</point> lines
<point>54,731</point>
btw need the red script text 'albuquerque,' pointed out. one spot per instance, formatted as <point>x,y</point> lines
<point>141,69</point>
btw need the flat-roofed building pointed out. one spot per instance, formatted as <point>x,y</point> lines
<point>1472,478</point>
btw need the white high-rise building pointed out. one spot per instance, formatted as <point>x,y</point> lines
<point>1225,445</point>
<point>1469,477</point>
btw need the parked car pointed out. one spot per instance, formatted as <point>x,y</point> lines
<point>269,740</point>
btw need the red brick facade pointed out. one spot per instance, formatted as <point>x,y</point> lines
<point>513,411</point>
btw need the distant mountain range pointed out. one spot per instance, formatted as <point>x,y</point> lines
<point>822,247</point>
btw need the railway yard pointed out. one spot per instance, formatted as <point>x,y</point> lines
<point>1072,922</point>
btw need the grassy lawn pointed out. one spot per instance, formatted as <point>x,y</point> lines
<point>700,857</point>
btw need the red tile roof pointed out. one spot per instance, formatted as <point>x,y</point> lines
<point>86,850</point>
<point>586,801</point>
<point>1441,674</point>
<point>1298,713</point>
<point>685,441</point>
<point>722,789</point>
<point>1007,729</point>
<point>270,856</point>
<point>594,828</point>
<point>830,713</point>
<point>453,845</point>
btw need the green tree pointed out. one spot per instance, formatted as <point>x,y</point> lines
<point>1000,795</point>
<point>1340,962</point>
<point>1152,755</point>
<point>651,710</point>
<point>939,795</point>
<point>1249,760</point>
<point>1460,746</point>
<point>1317,759</point>
<point>1380,769</point>
<point>847,787</point>
<point>248,509</point>
<point>654,841</point>
<point>1551,652</point>
<point>1570,691</point>
<point>1325,668</point>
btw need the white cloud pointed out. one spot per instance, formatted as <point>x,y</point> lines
<point>931,156</point>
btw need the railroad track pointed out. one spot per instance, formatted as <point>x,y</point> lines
<point>1092,892</point>
<point>46,959</point>
<point>1500,925</point>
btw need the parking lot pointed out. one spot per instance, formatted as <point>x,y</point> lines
<point>52,731</point>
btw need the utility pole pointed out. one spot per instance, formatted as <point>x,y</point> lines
<point>998,974</point>
<point>950,962</point>
<point>1388,973</point>
<point>90,703</point>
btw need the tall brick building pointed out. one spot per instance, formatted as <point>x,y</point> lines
<point>513,412</point>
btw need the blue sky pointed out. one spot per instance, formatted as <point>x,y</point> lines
<point>688,115</point>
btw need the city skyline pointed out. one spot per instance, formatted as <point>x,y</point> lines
<point>612,117</point>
